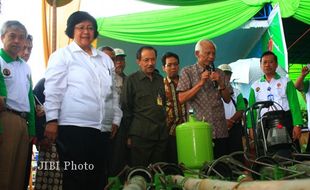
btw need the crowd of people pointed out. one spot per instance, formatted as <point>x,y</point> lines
<point>90,119</point>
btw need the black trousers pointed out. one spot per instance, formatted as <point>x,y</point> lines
<point>83,157</point>
<point>220,147</point>
<point>120,155</point>
<point>235,140</point>
<point>145,151</point>
<point>172,150</point>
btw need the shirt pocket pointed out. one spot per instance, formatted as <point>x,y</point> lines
<point>145,100</point>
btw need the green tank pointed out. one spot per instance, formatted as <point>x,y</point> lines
<point>194,143</point>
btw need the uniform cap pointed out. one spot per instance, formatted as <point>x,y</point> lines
<point>225,68</point>
<point>119,51</point>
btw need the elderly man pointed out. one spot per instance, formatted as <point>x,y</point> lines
<point>203,87</point>
<point>16,107</point>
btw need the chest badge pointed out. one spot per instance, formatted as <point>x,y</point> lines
<point>279,85</point>
<point>257,89</point>
<point>6,72</point>
<point>159,100</point>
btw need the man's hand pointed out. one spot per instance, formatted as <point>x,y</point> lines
<point>296,133</point>
<point>204,76</point>
<point>304,71</point>
<point>51,131</point>
<point>113,130</point>
<point>215,76</point>
<point>230,123</point>
<point>40,110</point>
<point>2,103</point>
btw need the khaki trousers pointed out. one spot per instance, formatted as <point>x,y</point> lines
<point>14,143</point>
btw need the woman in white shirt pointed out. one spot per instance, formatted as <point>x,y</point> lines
<point>81,105</point>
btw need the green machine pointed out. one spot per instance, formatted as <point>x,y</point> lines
<point>194,143</point>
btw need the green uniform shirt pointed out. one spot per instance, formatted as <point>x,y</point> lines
<point>3,92</point>
<point>288,99</point>
<point>143,104</point>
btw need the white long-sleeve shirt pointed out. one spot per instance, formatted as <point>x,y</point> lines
<point>80,89</point>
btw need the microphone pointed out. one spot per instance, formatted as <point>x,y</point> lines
<point>215,85</point>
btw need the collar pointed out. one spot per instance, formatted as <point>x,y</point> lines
<point>7,58</point>
<point>142,75</point>
<point>170,80</point>
<point>76,48</point>
<point>263,78</point>
<point>199,68</point>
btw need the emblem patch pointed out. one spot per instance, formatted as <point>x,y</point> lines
<point>257,89</point>
<point>279,85</point>
<point>6,72</point>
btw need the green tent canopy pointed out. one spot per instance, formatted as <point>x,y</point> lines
<point>188,24</point>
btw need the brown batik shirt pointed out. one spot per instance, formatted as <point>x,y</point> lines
<point>176,112</point>
<point>207,103</point>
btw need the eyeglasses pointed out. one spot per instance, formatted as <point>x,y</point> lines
<point>82,28</point>
<point>172,65</point>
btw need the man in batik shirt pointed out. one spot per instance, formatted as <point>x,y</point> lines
<point>176,112</point>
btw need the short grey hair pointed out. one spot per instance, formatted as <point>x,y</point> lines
<point>198,44</point>
<point>13,24</point>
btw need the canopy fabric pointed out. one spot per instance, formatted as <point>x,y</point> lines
<point>299,9</point>
<point>303,11</point>
<point>188,24</point>
<point>182,2</point>
<point>181,25</point>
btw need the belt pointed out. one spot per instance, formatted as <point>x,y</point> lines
<point>19,113</point>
